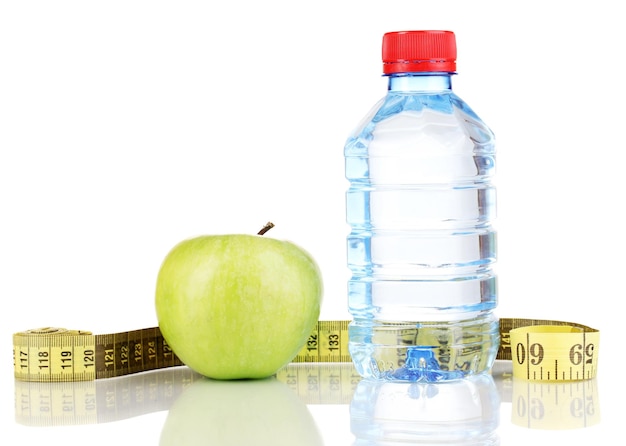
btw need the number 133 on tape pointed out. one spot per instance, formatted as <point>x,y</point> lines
<point>554,353</point>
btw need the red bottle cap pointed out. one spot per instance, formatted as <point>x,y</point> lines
<point>419,51</point>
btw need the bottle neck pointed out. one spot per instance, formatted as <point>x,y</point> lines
<point>428,81</point>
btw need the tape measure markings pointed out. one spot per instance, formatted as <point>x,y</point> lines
<point>508,324</point>
<point>54,359</point>
<point>130,352</point>
<point>555,352</point>
<point>328,342</point>
<point>57,355</point>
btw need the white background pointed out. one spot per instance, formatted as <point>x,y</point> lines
<point>126,127</point>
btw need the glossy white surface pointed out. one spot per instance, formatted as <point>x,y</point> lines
<point>178,407</point>
<point>128,126</point>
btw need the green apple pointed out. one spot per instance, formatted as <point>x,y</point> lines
<point>237,306</point>
<point>260,412</point>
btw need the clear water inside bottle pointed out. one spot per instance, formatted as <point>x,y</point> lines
<point>422,247</point>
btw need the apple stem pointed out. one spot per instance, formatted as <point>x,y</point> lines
<point>269,225</point>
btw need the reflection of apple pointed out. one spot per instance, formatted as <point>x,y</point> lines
<point>237,306</point>
<point>260,412</point>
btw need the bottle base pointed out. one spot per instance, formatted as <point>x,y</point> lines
<point>424,351</point>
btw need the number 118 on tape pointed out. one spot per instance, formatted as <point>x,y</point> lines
<point>554,353</point>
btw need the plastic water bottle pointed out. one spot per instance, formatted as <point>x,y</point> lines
<point>420,206</point>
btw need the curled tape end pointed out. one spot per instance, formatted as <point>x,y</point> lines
<point>51,331</point>
<point>554,352</point>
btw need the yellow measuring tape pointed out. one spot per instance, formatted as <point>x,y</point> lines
<point>540,350</point>
<point>544,350</point>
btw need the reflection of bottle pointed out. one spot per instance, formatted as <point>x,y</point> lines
<point>420,206</point>
<point>251,412</point>
<point>462,412</point>
<point>555,405</point>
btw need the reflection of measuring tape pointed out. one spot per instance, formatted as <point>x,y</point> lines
<point>555,405</point>
<point>539,350</point>
<point>547,404</point>
<point>101,401</point>
<point>108,400</point>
